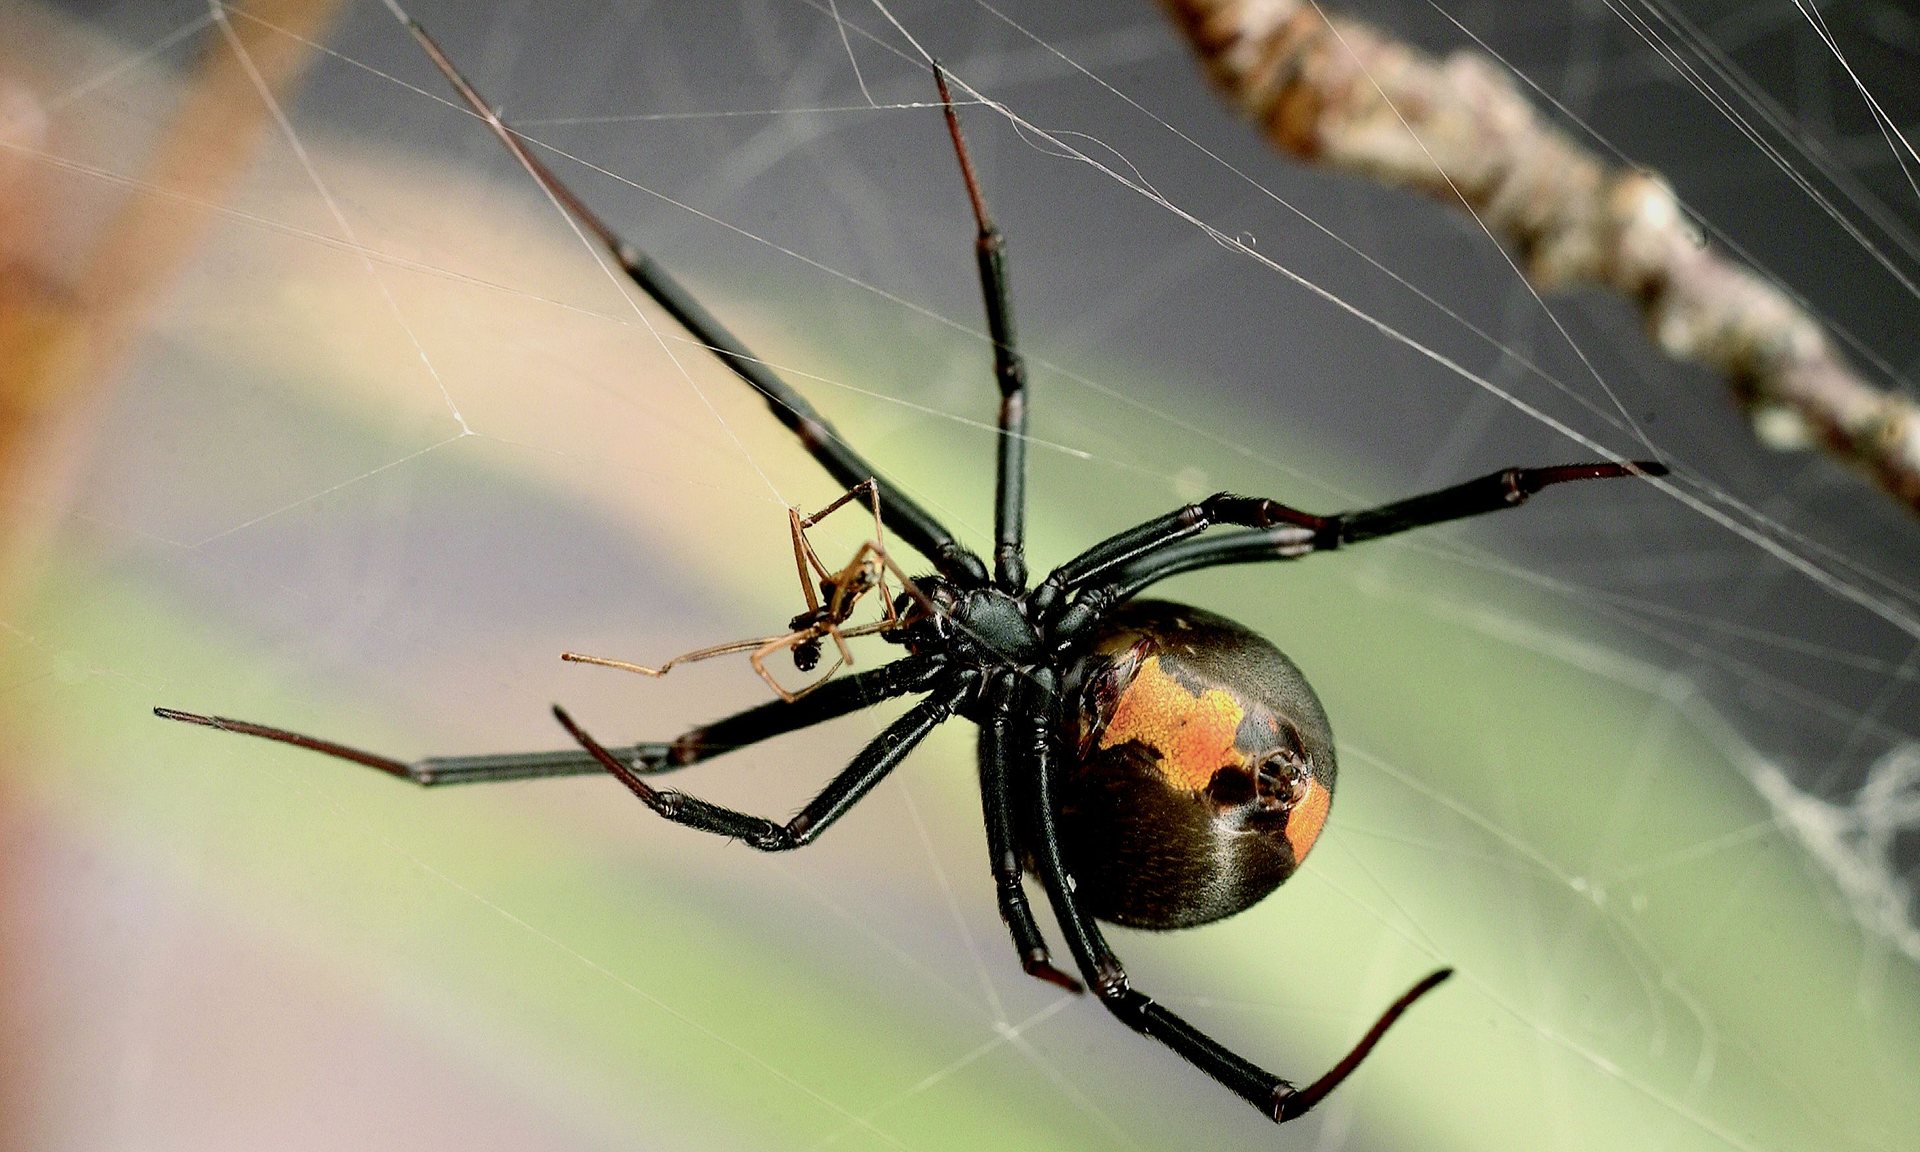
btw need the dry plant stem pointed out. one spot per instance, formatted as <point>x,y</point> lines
<point>1342,93</point>
<point>67,327</point>
<point>60,351</point>
<point>29,300</point>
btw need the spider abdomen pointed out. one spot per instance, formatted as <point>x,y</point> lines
<point>1202,772</point>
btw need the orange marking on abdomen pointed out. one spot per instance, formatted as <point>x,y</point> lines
<point>1309,815</point>
<point>1193,734</point>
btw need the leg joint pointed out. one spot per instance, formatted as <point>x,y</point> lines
<point>1110,984</point>
<point>774,838</point>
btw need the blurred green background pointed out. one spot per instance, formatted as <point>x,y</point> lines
<point>378,455</point>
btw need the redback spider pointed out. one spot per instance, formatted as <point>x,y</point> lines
<point>1153,765</point>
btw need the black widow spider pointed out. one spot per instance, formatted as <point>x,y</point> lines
<point>1154,765</point>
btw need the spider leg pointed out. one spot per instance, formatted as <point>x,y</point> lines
<point>887,609</point>
<point>1009,368</point>
<point>870,766</point>
<point>1131,560</point>
<point>907,519</point>
<point>868,488</point>
<point>997,756</point>
<point>788,643</point>
<point>1177,525</point>
<point>693,657</point>
<point>840,642</point>
<point>879,552</point>
<point>762,722</point>
<point>802,555</point>
<point>1274,1096</point>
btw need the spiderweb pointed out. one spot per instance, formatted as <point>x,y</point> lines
<point>1641,764</point>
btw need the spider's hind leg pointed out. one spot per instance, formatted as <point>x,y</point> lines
<point>1278,1098</point>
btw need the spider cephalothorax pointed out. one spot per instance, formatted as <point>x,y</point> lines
<point>982,626</point>
<point>1150,764</point>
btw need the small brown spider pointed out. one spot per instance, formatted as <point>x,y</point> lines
<point>828,608</point>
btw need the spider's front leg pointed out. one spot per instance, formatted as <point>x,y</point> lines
<point>903,517</point>
<point>1009,369</point>
<point>868,768</point>
<point>1278,1098</point>
<point>742,729</point>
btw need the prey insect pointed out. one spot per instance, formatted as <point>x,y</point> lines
<point>831,596</point>
<point>1149,763</point>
